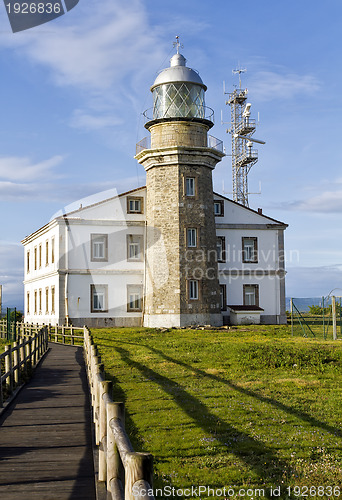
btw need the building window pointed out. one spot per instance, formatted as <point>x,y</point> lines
<point>219,208</point>
<point>221,249</point>
<point>99,247</point>
<point>28,261</point>
<point>35,302</point>
<point>251,295</point>
<point>134,205</point>
<point>40,301</point>
<point>99,294</point>
<point>191,237</point>
<point>190,186</point>
<point>46,301</point>
<point>134,247</point>
<point>35,258</point>
<point>28,302</point>
<point>249,250</point>
<point>193,290</point>
<point>47,253</point>
<point>223,297</point>
<point>52,300</point>
<point>40,256</point>
<point>52,250</point>
<point>134,298</point>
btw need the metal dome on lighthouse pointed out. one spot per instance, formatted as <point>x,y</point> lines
<point>179,93</point>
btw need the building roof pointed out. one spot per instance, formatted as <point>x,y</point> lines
<point>74,212</point>
<point>251,210</point>
<point>178,72</point>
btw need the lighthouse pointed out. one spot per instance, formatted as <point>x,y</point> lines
<point>181,285</point>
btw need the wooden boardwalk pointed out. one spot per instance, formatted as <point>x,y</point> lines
<point>45,436</point>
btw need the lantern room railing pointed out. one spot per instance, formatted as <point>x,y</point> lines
<point>204,113</point>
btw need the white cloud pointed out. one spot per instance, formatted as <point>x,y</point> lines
<point>86,121</point>
<point>269,85</point>
<point>109,42</point>
<point>61,193</point>
<point>326,202</point>
<point>13,168</point>
<point>104,52</point>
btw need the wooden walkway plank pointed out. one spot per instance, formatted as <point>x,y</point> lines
<point>45,435</point>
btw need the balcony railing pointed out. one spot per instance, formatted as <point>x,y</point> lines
<point>247,158</point>
<point>212,142</point>
<point>215,143</point>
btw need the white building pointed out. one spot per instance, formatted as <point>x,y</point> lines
<point>172,253</point>
<point>88,267</point>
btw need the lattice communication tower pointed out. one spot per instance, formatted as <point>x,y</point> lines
<point>242,129</point>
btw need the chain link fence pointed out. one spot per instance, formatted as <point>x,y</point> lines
<point>321,319</point>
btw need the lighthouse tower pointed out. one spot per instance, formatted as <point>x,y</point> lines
<point>181,275</point>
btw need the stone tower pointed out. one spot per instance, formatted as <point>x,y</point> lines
<point>181,278</point>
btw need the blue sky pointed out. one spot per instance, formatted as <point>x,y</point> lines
<point>73,92</point>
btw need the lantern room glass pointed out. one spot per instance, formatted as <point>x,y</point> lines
<point>178,100</point>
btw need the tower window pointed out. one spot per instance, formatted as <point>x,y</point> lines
<point>35,258</point>
<point>190,185</point>
<point>99,247</point>
<point>221,249</point>
<point>249,250</point>
<point>28,261</point>
<point>134,205</point>
<point>251,295</point>
<point>99,295</point>
<point>28,302</point>
<point>223,297</point>
<point>191,237</point>
<point>193,290</point>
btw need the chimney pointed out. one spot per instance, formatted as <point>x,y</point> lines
<point>260,211</point>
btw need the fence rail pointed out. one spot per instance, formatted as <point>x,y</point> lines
<point>18,360</point>
<point>63,334</point>
<point>128,474</point>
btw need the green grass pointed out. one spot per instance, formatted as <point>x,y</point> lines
<point>251,407</point>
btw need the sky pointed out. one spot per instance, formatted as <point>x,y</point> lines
<point>74,90</point>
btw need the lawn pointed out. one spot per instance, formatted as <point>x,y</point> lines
<point>249,407</point>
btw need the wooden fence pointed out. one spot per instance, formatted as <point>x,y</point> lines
<point>125,471</point>
<point>18,360</point>
<point>61,334</point>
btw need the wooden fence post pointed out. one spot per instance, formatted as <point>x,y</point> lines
<point>16,363</point>
<point>105,388</point>
<point>139,466</point>
<point>115,470</point>
<point>333,307</point>
<point>22,356</point>
<point>8,367</point>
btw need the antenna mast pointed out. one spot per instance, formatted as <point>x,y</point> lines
<point>242,129</point>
